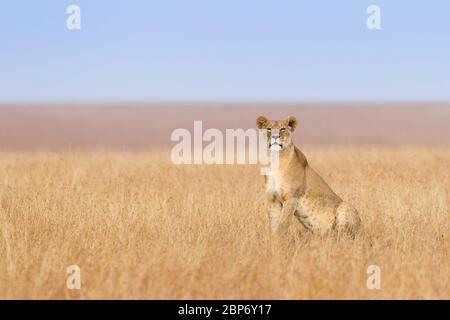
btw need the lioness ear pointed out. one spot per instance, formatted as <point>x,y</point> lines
<point>262,122</point>
<point>291,122</point>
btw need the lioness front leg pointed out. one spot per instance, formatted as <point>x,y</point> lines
<point>274,206</point>
<point>287,213</point>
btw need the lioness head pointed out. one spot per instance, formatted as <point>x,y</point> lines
<point>278,132</point>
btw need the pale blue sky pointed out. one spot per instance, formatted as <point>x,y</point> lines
<point>224,51</point>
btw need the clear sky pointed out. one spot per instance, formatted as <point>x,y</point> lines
<point>224,51</point>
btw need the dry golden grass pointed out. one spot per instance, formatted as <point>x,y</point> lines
<point>140,227</point>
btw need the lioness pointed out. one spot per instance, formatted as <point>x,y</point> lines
<point>295,189</point>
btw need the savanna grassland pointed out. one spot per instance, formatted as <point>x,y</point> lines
<point>140,227</point>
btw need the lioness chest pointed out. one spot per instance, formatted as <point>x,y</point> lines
<point>273,185</point>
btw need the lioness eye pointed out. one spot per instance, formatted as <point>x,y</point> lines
<point>282,129</point>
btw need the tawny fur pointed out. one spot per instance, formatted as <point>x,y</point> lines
<point>294,189</point>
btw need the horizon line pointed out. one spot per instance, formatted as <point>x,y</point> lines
<point>212,103</point>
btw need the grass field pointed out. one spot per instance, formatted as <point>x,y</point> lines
<point>141,227</point>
